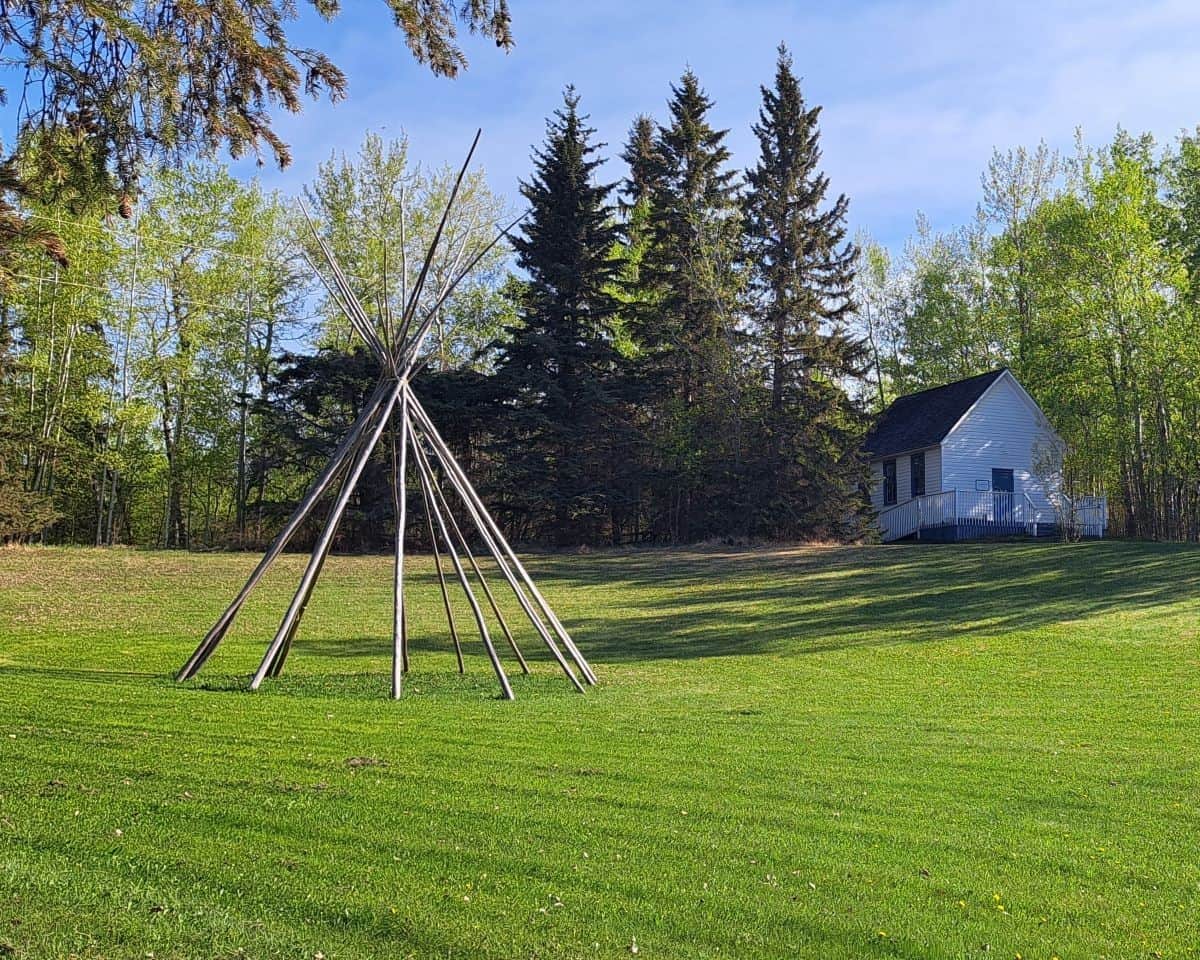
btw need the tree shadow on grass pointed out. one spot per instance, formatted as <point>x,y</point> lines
<point>83,674</point>
<point>707,604</point>
<point>638,605</point>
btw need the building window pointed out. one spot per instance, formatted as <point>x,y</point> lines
<point>889,482</point>
<point>916,474</point>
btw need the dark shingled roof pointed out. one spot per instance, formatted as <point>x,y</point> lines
<point>923,419</point>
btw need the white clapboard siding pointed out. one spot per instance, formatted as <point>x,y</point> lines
<point>933,470</point>
<point>1004,430</point>
<point>877,485</point>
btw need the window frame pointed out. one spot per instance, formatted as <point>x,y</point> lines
<point>913,460</point>
<point>889,482</point>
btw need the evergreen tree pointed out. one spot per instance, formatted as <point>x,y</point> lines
<point>635,235</point>
<point>559,369</point>
<point>693,220</point>
<point>688,295</point>
<point>803,272</point>
<point>641,158</point>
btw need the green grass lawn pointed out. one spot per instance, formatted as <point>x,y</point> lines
<point>951,751</point>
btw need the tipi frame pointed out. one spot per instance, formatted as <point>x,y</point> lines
<point>394,407</point>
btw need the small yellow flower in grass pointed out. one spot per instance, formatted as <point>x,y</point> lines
<point>883,934</point>
<point>962,903</point>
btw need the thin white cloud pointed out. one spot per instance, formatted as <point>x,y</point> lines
<point>916,94</point>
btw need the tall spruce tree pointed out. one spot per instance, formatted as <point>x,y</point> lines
<point>559,371</point>
<point>688,299</point>
<point>641,158</point>
<point>803,267</point>
<point>694,222</point>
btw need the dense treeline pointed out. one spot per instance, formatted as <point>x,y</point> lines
<point>1083,276</point>
<point>668,361</point>
<point>689,352</point>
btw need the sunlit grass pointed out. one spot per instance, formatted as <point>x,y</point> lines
<point>957,751</point>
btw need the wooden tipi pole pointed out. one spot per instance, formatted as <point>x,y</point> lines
<point>475,507</point>
<point>462,576</point>
<point>339,506</point>
<point>323,546</point>
<point>441,576</point>
<point>485,518</point>
<point>400,501</point>
<point>214,636</point>
<point>466,549</point>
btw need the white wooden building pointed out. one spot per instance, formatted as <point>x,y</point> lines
<point>971,459</point>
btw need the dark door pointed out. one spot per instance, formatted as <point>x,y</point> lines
<point>1002,495</point>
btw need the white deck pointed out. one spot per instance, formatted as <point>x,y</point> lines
<point>974,514</point>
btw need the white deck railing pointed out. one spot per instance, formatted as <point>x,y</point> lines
<point>939,509</point>
<point>901,520</point>
<point>986,511</point>
<point>982,513</point>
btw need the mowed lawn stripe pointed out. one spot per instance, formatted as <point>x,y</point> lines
<point>832,752</point>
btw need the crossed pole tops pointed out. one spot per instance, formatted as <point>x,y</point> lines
<point>397,345</point>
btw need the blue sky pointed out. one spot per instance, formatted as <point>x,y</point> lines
<point>915,94</point>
